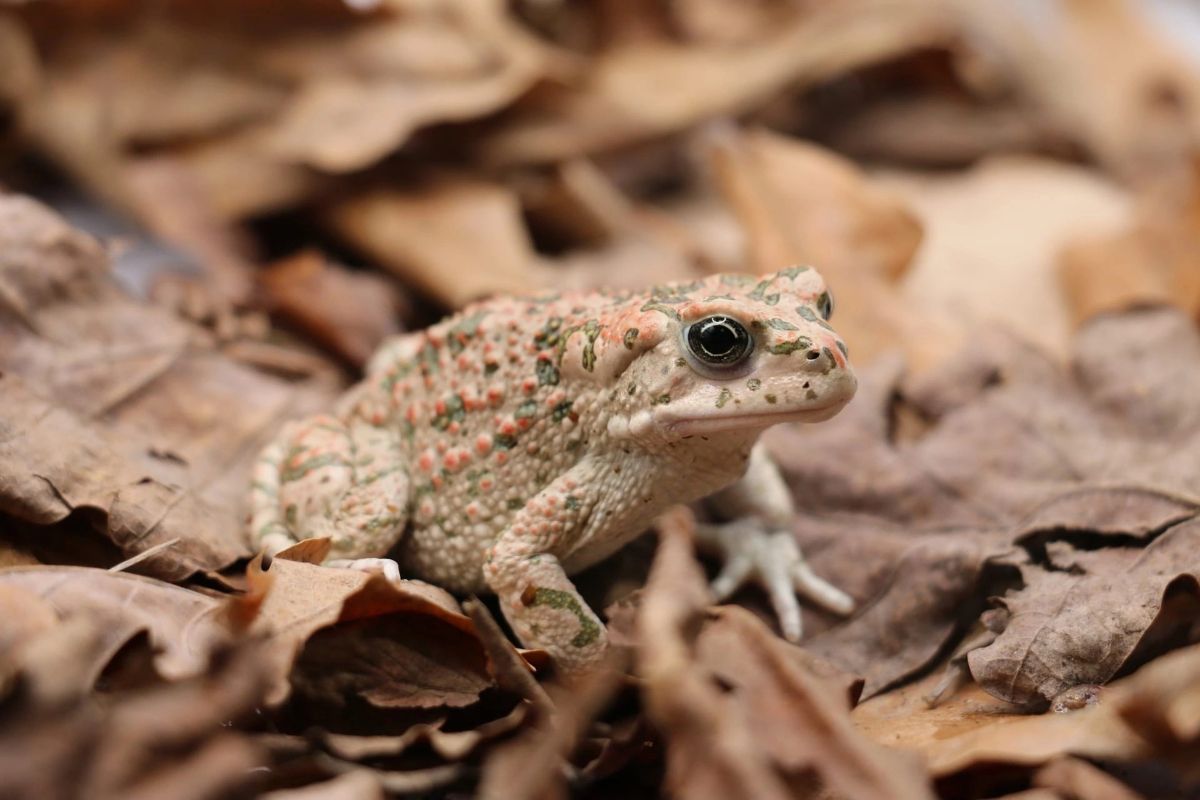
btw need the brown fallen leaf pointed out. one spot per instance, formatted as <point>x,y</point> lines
<point>1075,778</point>
<point>339,634</point>
<point>169,740</point>
<point>350,313</point>
<point>117,406</point>
<point>645,89</point>
<point>991,238</point>
<point>419,237</point>
<point>184,626</point>
<point>1151,262</point>
<point>1078,620</point>
<point>358,785</point>
<point>801,205</point>
<point>1018,461</point>
<point>746,718</point>
<point>1137,113</point>
<point>251,114</point>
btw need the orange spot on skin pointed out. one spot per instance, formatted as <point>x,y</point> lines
<point>507,427</point>
<point>529,385</point>
<point>454,427</point>
<point>495,395</point>
<point>437,481</point>
<point>426,460</point>
<point>483,444</point>
<point>556,397</point>
<point>473,510</point>
<point>486,484</point>
<point>464,362</point>
<point>501,457</point>
<point>442,446</point>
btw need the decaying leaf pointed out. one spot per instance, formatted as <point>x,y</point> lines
<point>350,313</point>
<point>115,406</point>
<point>745,715</point>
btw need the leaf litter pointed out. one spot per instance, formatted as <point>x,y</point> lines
<point>1011,505</point>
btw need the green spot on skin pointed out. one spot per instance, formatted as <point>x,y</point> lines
<point>791,273</point>
<point>811,316</point>
<point>754,384</point>
<point>760,290</point>
<point>775,323</point>
<point>489,367</point>
<point>572,503</point>
<point>724,397</point>
<point>290,514</point>
<point>514,504</point>
<point>455,412</point>
<point>661,400</point>
<point>829,362</point>
<point>632,388</point>
<point>681,362</point>
<point>504,441</point>
<point>526,410</point>
<point>713,297</point>
<point>589,631</point>
<point>591,329</point>
<point>662,309</point>
<point>810,395</point>
<point>737,280</point>
<point>548,336</point>
<point>547,373</point>
<point>631,336</point>
<point>772,299</point>
<point>770,398</point>
<point>463,331</point>
<point>561,411</point>
<point>303,468</point>
<point>787,348</point>
<point>842,346</point>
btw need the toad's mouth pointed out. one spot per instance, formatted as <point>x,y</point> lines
<point>749,421</point>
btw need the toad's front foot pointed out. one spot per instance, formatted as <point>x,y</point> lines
<point>386,567</point>
<point>769,556</point>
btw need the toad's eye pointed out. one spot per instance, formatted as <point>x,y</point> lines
<point>825,305</point>
<point>719,341</point>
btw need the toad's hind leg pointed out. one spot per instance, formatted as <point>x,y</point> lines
<point>323,477</point>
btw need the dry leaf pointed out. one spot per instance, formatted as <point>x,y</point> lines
<point>420,236</point>
<point>149,426</point>
<point>644,90</point>
<point>343,633</point>
<point>350,313</point>
<point>183,625</point>
<point>745,714</point>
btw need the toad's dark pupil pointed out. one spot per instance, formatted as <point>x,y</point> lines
<point>719,340</point>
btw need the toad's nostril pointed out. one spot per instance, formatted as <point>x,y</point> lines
<point>813,355</point>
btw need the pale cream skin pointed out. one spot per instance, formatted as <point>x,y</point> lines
<point>524,439</point>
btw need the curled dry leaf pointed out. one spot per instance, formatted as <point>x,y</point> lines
<point>170,740</point>
<point>246,112</point>
<point>803,205</point>
<point>419,237</point>
<point>184,626</point>
<point>651,88</point>
<point>1023,469</point>
<point>148,425</point>
<point>340,633</point>
<point>746,715</point>
<point>1153,261</point>
<point>350,313</point>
